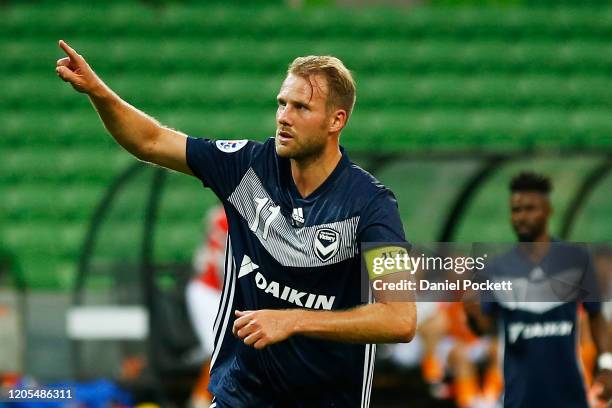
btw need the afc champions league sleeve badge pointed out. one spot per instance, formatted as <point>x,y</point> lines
<point>230,146</point>
<point>326,243</point>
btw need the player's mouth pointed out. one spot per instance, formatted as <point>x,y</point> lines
<point>284,136</point>
<point>523,230</point>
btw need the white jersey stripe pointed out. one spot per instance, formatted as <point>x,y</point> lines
<point>368,366</point>
<point>371,374</point>
<point>228,309</point>
<point>228,258</point>
<point>366,360</point>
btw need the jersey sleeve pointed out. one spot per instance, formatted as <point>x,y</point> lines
<point>593,302</point>
<point>219,164</point>
<point>590,296</point>
<point>380,222</point>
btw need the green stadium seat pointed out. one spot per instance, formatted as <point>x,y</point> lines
<point>430,79</point>
<point>54,202</point>
<point>63,164</point>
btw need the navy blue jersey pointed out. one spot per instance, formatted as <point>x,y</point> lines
<point>285,251</point>
<point>540,360</point>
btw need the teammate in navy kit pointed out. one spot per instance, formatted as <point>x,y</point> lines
<point>541,365</point>
<point>292,329</point>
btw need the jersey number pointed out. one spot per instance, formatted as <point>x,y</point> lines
<point>273,212</point>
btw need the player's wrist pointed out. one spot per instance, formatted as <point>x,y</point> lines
<point>604,361</point>
<point>99,90</point>
<point>297,325</point>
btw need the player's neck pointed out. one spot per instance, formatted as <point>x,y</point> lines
<point>543,237</point>
<point>537,249</point>
<point>309,173</point>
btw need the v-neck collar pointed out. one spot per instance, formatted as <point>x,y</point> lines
<point>533,264</point>
<point>329,181</point>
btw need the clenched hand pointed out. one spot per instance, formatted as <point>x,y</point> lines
<point>262,328</point>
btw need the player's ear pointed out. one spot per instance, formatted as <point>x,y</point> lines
<point>337,120</point>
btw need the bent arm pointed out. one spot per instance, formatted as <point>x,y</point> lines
<point>373,323</point>
<point>393,322</point>
<point>138,133</point>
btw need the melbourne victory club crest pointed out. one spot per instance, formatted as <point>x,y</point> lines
<point>326,243</point>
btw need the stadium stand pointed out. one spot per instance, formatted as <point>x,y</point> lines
<point>431,80</point>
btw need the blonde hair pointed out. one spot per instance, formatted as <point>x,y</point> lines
<point>340,83</point>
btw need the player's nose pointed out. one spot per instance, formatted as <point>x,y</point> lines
<point>283,116</point>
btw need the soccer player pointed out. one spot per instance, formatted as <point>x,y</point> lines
<point>540,359</point>
<point>292,329</point>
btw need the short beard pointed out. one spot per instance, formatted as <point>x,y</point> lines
<point>530,236</point>
<point>525,238</point>
<point>306,153</point>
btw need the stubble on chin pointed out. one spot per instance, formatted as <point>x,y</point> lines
<point>282,151</point>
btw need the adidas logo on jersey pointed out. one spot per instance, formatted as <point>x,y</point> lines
<point>297,218</point>
<point>537,274</point>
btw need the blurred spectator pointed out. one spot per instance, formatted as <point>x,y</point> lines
<point>204,291</point>
<point>450,357</point>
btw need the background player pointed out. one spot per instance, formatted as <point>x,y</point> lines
<point>542,369</point>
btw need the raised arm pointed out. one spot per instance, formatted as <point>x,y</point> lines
<point>137,132</point>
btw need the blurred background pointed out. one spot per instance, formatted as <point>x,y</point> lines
<point>453,98</point>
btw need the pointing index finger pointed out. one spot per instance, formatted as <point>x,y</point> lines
<point>69,50</point>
